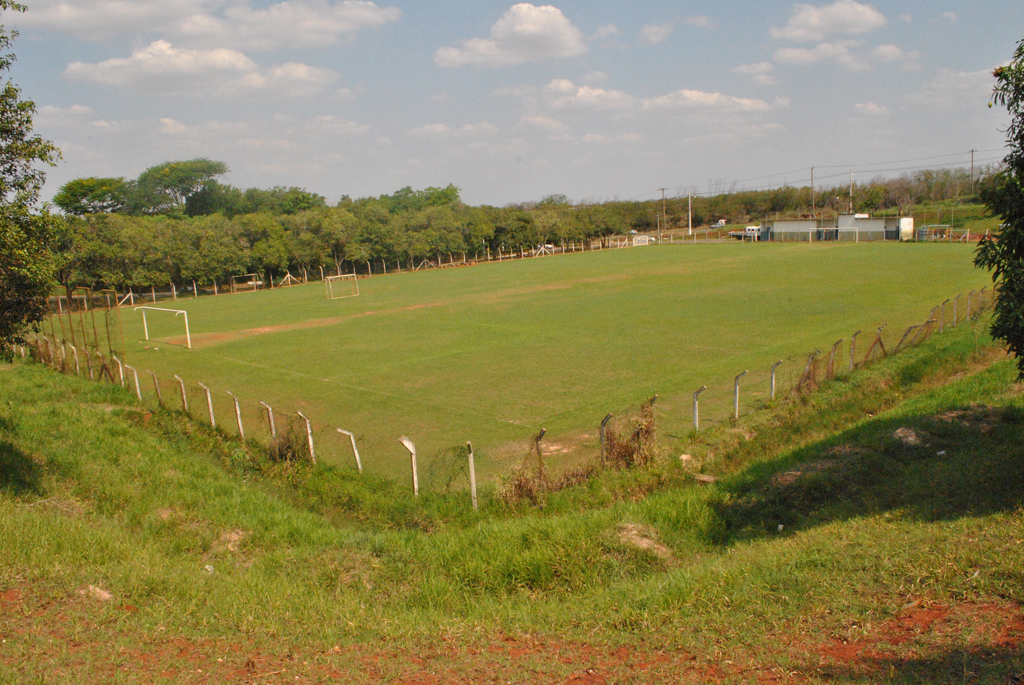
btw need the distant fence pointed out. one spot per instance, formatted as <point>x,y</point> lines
<point>290,433</point>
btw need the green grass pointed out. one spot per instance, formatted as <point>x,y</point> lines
<point>493,353</point>
<point>94,491</point>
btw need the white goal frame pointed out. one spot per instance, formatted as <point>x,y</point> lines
<point>252,280</point>
<point>329,286</point>
<point>176,312</point>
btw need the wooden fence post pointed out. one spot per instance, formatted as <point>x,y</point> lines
<point>831,373</point>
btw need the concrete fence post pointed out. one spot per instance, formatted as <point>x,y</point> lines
<point>209,404</point>
<point>270,416</point>
<point>472,474</point>
<point>736,396</point>
<point>942,317</point>
<point>831,373</point>
<point>411,447</point>
<point>355,450</point>
<point>774,366</point>
<point>604,427</point>
<point>955,301</point>
<point>120,370</point>
<point>238,415</point>
<point>853,348</point>
<point>156,386</point>
<point>696,408</point>
<point>309,437</point>
<point>138,388</point>
<point>184,395</point>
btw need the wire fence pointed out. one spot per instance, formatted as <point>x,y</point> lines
<point>289,433</point>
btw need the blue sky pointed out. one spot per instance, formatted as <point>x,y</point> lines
<point>511,102</point>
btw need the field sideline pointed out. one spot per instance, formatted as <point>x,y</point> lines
<point>495,352</point>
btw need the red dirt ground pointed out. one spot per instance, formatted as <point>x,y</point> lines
<point>82,640</point>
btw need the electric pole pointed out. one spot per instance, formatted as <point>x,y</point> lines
<point>851,191</point>
<point>814,209</point>
<point>689,203</point>
<point>664,217</point>
<point>972,172</point>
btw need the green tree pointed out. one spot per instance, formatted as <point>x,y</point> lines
<point>26,261</point>
<point>1003,254</point>
<point>92,195</point>
<point>168,186</point>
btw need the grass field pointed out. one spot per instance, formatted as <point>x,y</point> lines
<point>142,547</point>
<point>495,352</point>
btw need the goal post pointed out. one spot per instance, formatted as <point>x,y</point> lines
<point>245,283</point>
<point>176,312</point>
<point>338,287</point>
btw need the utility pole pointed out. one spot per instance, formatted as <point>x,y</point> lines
<point>851,191</point>
<point>664,217</point>
<point>972,172</point>
<point>814,209</point>
<point>689,202</point>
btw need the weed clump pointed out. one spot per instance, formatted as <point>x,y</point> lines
<point>636,445</point>
<point>290,445</point>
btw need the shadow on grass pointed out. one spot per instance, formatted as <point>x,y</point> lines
<point>19,473</point>
<point>964,461</point>
<point>1002,665</point>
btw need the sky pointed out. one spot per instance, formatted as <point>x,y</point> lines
<point>592,99</point>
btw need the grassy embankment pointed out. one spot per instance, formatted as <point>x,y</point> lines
<point>829,548</point>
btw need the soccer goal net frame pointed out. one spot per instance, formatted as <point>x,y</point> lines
<point>339,287</point>
<point>245,283</point>
<point>176,312</point>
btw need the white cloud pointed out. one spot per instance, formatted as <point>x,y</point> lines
<point>871,109</point>
<point>951,88</point>
<point>569,94</point>
<point>287,24</point>
<point>950,16</point>
<point>906,18</point>
<point>172,127</point>
<point>838,51</point>
<point>606,31</point>
<point>809,23</point>
<point>445,131</point>
<point>893,53</point>
<point>761,72</point>
<point>595,77</point>
<point>652,34</point>
<point>162,68</point>
<point>601,139</point>
<point>544,124</point>
<point>101,19</point>
<point>699,100</point>
<point>525,34</point>
<point>700,21</point>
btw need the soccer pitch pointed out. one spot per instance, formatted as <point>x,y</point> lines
<point>493,353</point>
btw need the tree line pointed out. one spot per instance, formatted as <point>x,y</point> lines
<point>176,223</point>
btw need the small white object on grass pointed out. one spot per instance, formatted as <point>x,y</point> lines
<point>781,527</point>
<point>209,568</point>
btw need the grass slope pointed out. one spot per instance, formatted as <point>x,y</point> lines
<point>493,353</point>
<point>142,547</point>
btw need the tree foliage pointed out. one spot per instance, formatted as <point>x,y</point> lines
<point>1003,254</point>
<point>26,261</point>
